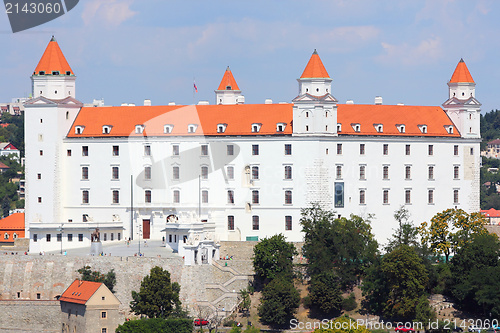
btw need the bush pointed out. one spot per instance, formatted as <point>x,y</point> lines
<point>153,325</point>
<point>349,303</point>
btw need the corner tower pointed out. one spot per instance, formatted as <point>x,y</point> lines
<point>53,78</point>
<point>462,106</point>
<point>228,92</point>
<point>315,109</point>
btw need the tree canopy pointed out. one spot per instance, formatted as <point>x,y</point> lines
<point>279,303</point>
<point>157,297</point>
<point>273,257</point>
<point>109,279</point>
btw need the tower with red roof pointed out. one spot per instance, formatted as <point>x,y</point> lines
<point>228,91</point>
<point>462,106</point>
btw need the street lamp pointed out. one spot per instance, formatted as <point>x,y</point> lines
<point>61,230</point>
<point>139,232</point>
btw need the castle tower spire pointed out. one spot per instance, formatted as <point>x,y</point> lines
<point>228,91</point>
<point>462,106</point>
<point>53,77</point>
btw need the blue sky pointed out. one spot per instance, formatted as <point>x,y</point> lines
<point>127,50</point>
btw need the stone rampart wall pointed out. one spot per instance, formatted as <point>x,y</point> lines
<point>30,316</point>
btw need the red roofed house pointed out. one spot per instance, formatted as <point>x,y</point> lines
<point>492,215</point>
<point>89,307</point>
<point>235,171</point>
<point>493,150</point>
<point>11,228</point>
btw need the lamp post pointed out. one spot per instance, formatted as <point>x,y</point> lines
<point>61,230</point>
<point>139,232</point>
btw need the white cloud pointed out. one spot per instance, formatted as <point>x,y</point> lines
<point>110,12</point>
<point>427,51</point>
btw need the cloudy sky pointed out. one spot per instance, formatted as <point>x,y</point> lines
<point>127,50</point>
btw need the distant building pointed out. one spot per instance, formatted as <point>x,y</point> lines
<point>11,228</point>
<point>493,150</point>
<point>89,307</point>
<point>492,215</point>
<point>7,148</point>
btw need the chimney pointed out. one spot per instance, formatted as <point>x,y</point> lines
<point>268,101</point>
<point>147,102</point>
<point>378,100</point>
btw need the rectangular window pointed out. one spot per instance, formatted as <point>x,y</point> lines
<point>204,172</point>
<point>339,195</point>
<point>147,150</point>
<point>472,151</point>
<point>175,150</point>
<point>147,196</point>
<point>386,149</point>
<point>230,172</point>
<point>35,238</point>
<point>385,172</point>
<point>85,218</point>
<point>361,148</point>
<point>85,197</point>
<point>104,330</point>
<point>339,149</point>
<point>362,172</point>
<point>147,173</point>
<point>288,149</point>
<point>430,196</point>
<point>362,197</point>
<point>116,150</point>
<point>408,196</point>
<point>177,196</point>
<point>408,172</point>
<point>41,152</point>
<point>339,172</point>
<point>385,197</point>
<point>255,197</point>
<point>431,150</point>
<point>47,237</point>
<point>455,150</point>
<point>119,236</point>
<point>115,173</point>
<point>85,173</point>
<point>455,197</point>
<point>431,172</point>
<point>288,172</point>
<point>103,314</point>
<point>255,222</point>
<point>230,150</point>
<point>116,196</point>
<point>59,237</point>
<point>204,150</point>
<point>68,152</point>
<point>80,237</point>
<point>175,172</point>
<point>407,150</point>
<point>456,172</point>
<point>230,197</point>
<point>230,222</point>
<point>39,176</point>
<point>39,199</point>
<point>255,149</point>
<point>85,150</point>
<point>70,237</point>
<point>255,173</point>
<point>288,223</point>
<point>288,197</point>
<point>204,196</point>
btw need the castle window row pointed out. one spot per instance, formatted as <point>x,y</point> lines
<point>407,196</point>
<point>256,223</point>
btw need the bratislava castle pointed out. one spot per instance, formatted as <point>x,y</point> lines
<point>190,174</point>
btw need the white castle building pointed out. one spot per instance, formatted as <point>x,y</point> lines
<point>197,174</point>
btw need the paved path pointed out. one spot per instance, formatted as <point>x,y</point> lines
<point>153,248</point>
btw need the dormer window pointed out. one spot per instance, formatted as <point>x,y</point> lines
<point>106,129</point>
<point>167,129</point>
<point>228,88</point>
<point>423,128</point>
<point>356,127</point>
<point>192,128</point>
<point>449,129</point>
<point>256,127</point>
<point>79,129</point>
<point>280,127</point>
<point>139,129</point>
<point>379,128</point>
<point>339,127</point>
<point>42,73</point>
<point>55,73</point>
<point>221,128</point>
<point>401,128</point>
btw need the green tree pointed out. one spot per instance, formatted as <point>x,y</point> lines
<point>335,326</point>
<point>406,233</point>
<point>109,279</point>
<point>5,206</point>
<point>279,303</point>
<point>273,257</point>
<point>395,287</point>
<point>344,246</point>
<point>324,294</point>
<point>451,229</point>
<point>170,325</point>
<point>157,297</point>
<point>246,302</point>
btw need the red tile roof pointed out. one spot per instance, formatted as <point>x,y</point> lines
<point>461,73</point>
<point>13,222</point>
<point>315,68</point>
<point>494,142</point>
<point>53,60</point>
<point>228,81</point>
<point>80,291</point>
<point>491,212</point>
<point>239,119</point>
